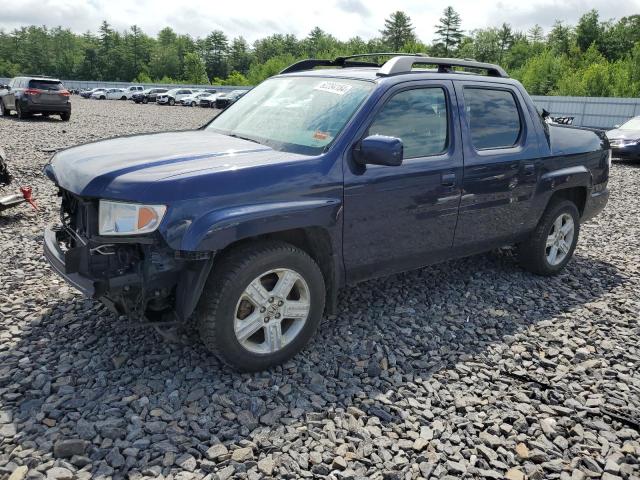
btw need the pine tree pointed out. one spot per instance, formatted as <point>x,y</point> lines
<point>398,30</point>
<point>536,34</point>
<point>449,33</point>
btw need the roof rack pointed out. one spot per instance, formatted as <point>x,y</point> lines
<point>343,62</point>
<point>404,64</point>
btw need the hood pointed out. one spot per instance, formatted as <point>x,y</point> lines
<point>121,168</point>
<point>621,134</point>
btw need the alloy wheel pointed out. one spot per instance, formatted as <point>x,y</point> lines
<point>560,239</point>
<point>272,311</point>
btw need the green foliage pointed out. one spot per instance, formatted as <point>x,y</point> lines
<point>397,31</point>
<point>594,57</point>
<point>448,32</point>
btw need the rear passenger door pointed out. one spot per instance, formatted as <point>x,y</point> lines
<point>402,217</point>
<point>501,164</point>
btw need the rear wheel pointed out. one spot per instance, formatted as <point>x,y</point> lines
<point>261,305</point>
<point>554,240</point>
<point>65,116</point>
<point>123,98</point>
<point>21,114</point>
<point>145,100</point>
<point>4,111</point>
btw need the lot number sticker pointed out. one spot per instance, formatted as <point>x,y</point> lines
<point>333,87</point>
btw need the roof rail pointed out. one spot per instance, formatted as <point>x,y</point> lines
<point>404,64</point>
<point>343,62</point>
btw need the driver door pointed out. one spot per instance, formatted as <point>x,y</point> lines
<point>404,217</point>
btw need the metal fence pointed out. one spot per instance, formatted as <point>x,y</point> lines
<point>79,84</point>
<point>597,112</point>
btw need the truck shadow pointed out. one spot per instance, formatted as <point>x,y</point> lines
<point>77,371</point>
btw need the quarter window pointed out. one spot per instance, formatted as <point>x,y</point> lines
<point>419,118</point>
<point>493,116</point>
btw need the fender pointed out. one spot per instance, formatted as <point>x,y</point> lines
<point>554,181</point>
<point>219,228</point>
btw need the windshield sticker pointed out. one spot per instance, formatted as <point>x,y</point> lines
<point>333,87</point>
<point>318,135</point>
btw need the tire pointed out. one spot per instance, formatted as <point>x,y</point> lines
<point>103,97</point>
<point>193,104</point>
<point>172,102</point>
<point>4,111</point>
<point>123,98</point>
<point>224,305</point>
<point>145,100</point>
<point>536,253</point>
<point>21,115</point>
<point>65,116</point>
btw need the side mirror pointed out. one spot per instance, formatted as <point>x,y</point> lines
<point>379,150</point>
<point>545,114</point>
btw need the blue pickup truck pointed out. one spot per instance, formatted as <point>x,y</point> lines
<point>316,179</point>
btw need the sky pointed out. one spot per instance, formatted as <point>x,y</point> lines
<point>257,19</point>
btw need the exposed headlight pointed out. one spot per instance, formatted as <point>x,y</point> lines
<point>118,218</point>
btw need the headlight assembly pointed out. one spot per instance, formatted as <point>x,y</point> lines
<point>119,218</point>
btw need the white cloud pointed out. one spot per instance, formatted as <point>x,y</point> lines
<point>256,19</point>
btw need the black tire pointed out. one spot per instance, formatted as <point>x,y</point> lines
<point>123,98</point>
<point>193,104</point>
<point>172,102</point>
<point>65,116</point>
<point>532,253</point>
<point>21,115</point>
<point>230,277</point>
<point>103,97</point>
<point>4,111</point>
<point>145,100</point>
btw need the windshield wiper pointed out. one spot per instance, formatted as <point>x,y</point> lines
<point>235,135</point>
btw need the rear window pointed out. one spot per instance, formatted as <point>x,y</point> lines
<point>494,118</point>
<point>45,85</point>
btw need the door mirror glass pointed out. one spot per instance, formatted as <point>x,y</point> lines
<point>379,150</point>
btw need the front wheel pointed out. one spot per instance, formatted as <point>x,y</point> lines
<point>21,114</point>
<point>193,104</point>
<point>123,98</point>
<point>261,305</point>
<point>4,111</point>
<point>554,240</point>
<point>145,100</point>
<point>172,102</point>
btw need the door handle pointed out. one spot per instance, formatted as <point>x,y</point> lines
<point>448,179</point>
<point>529,169</point>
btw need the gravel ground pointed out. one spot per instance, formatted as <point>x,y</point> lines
<point>470,369</point>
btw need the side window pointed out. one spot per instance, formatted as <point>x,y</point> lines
<point>419,117</point>
<point>494,117</point>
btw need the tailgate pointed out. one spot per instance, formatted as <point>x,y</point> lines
<point>47,92</point>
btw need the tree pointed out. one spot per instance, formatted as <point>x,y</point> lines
<point>536,34</point>
<point>194,69</point>
<point>559,39</point>
<point>397,31</point>
<point>239,56</point>
<point>505,40</point>
<point>448,31</point>
<point>215,48</point>
<point>588,30</point>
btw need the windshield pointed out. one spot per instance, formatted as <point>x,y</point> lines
<point>294,114</point>
<point>633,124</point>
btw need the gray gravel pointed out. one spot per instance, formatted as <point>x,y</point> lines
<point>469,369</point>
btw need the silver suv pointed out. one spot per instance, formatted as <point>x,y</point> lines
<point>28,95</point>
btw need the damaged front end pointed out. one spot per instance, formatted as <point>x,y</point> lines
<point>138,276</point>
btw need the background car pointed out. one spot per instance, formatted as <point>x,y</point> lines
<point>173,96</point>
<point>194,99</point>
<point>129,91</point>
<point>148,95</point>
<point>209,100</point>
<point>226,99</point>
<point>625,140</point>
<point>86,93</point>
<point>27,95</point>
<point>110,94</point>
